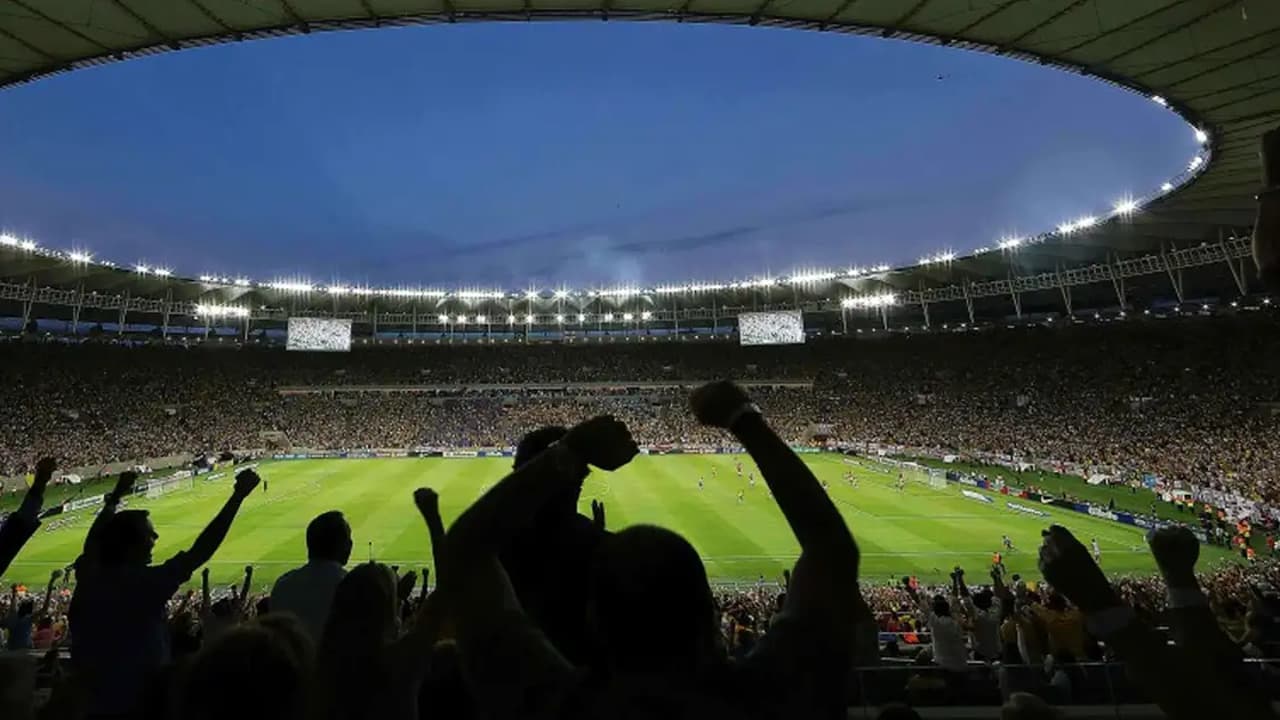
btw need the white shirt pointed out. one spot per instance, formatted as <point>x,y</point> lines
<point>307,592</point>
<point>949,650</point>
<point>986,630</point>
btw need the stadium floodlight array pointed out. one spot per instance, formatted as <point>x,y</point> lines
<point>938,258</point>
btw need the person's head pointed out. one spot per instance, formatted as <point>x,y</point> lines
<point>128,538</point>
<point>982,600</point>
<point>26,608</point>
<point>264,667</point>
<point>329,538</point>
<point>651,605</point>
<point>365,609</point>
<point>941,607</point>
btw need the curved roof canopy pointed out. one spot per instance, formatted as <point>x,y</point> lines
<point>1217,62</point>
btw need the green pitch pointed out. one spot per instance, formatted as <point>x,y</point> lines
<point>920,531</point>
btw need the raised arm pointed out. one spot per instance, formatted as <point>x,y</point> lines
<point>209,539</point>
<point>504,656</point>
<point>48,592</point>
<point>124,485</point>
<point>826,575</point>
<point>242,602</point>
<point>206,599</point>
<point>1182,684</point>
<point>18,527</point>
<point>428,503</point>
<point>1195,628</point>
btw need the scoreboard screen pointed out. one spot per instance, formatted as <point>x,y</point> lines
<point>771,328</point>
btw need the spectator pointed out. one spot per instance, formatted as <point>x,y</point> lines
<point>307,591</point>
<point>118,612</point>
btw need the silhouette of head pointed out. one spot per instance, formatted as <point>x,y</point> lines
<point>329,538</point>
<point>128,538</point>
<point>649,583</point>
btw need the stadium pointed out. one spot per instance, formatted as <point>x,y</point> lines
<point>1112,376</point>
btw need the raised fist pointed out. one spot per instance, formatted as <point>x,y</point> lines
<point>246,481</point>
<point>248,570</point>
<point>53,576</point>
<point>602,441</point>
<point>45,467</point>
<point>427,500</point>
<point>718,404</point>
<point>124,484</point>
<point>1071,570</point>
<point>1176,551</point>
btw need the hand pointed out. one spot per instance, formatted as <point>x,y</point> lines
<point>53,576</point>
<point>602,441</point>
<point>597,514</point>
<point>1176,551</point>
<point>45,468</point>
<point>248,571</point>
<point>717,403</point>
<point>124,484</point>
<point>427,500</point>
<point>1069,568</point>
<point>405,585</point>
<point>204,575</point>
<point>246,481</point>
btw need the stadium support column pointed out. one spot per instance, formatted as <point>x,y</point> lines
<point>1013,293</point>
<point>715,326</point>
<point>924,308</point>
<point>124,314</point>
<point>164,315</point>
<point>75,310</point>
<point>1175,274</point>
<point>413,321</point>
<point>1117,280</point>
<point>29,304</point>
<point>1237,273</point>
<point>373,316</point>
<point>844,319</point>
<point>884,316</point>
<point>248,321</point>
<point>1065,289</point>
<point>968,300</point>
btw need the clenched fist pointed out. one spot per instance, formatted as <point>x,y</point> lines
<point>718,404</point>
<point>602,441</point>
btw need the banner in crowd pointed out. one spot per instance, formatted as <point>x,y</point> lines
<point>976,496</point>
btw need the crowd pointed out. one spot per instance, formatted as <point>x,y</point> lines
<point>1186,401</point>
<point>537,611</point>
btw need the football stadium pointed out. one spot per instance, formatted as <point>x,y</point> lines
<point>1036,477</point>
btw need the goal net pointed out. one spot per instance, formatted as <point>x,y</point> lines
<point>911,472</point>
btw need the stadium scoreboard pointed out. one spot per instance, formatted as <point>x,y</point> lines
<point>319,335</point>
<point>785,327</point>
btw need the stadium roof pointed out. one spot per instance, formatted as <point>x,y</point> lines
<point>1215,62</point>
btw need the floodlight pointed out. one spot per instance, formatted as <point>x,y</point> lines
<point>1159,100</point>
<point>444,319</point>
<point>559,318</point>
<point>581,317</point>
<point>482,319</point>
<point>511,318</point>
<point>79,257</point>
<point>141,269</point>
<point>628,317</point>
<point>1202,137</point>
<point>608,317</point>
<point>646,315</point>
<point>1166,187</point>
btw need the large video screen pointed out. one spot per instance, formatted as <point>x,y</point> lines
<point>771,328</point>
<point>319,335</point>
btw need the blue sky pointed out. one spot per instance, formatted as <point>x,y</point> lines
<point>518,155</point>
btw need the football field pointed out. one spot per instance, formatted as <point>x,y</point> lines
<point>921,531</point>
